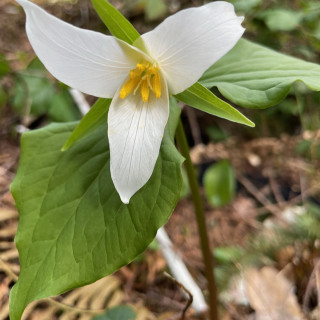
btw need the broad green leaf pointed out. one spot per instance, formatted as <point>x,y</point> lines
<point>199,97</point>
<point>117,24</point>
<point>219,183</point>
<point>73,228</point>
<point>118,313</point>
<point>96,117</point>
<point>281,19</point>
<point>253,76</point>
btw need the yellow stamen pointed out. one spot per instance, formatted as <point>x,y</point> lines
<point>156,85</point>
<point>137,86</point>
<point>145,90</point>
<point>140,67</point>
<point>146,77</point>
<point>128,87</point>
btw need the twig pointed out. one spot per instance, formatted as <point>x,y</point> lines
<point>190,299</point>
<point>310,286</point>
<point>80,101</point>
<point>275,188</point>
<point>67,307</point>
<point>180,271</point>
<point>251,188</point>
<point>306,193</point>
<point>20,128</point>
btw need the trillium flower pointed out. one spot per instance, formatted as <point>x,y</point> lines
<point>139,78</point>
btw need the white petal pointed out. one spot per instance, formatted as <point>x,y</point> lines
<point>135,131</point>
<point>186,44</point>
<point>88,61</point>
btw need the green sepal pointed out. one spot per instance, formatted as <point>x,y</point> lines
<point>97,116</point>
<point>117,24</point>
<point>201,98</point>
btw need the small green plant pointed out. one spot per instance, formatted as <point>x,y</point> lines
<point>219,183</point>
<point>263,249</point>
<point>35,93</point>
<point>117,313</point>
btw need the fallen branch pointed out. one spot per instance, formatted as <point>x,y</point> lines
<point>180,272</point>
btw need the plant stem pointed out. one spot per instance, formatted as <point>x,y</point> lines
<point>198,206</point>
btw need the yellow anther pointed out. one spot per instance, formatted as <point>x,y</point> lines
<point>146,77</point>
<point>145,90</point>
<point>128,87</point>
<point>135,73</point>
<point>156,85</point>
<point>153,70</point>
<point>142,66</point>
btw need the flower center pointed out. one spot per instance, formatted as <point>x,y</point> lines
<point>145,77</point>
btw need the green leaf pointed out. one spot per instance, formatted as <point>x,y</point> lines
<point>281,19</point>
<point>117,313</point>
<point>62,107</point>
<point>203,99</point>
<point>117,24</point>
<point>216,134</point>
<point>4,66</point>
<point>95,118</point>
<point>219,183</point>
<point>227,255</point>
<point>155,9</point>
<point>3,97</point>
<point>73,228</point>
<point>33,87</point>
<point>253,76</point>
<point>245,6</point>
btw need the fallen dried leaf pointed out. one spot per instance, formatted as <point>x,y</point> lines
<point>271,295</point>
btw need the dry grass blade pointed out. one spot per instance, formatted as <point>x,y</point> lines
<point>7,214</point>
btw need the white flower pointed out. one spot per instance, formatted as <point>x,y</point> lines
<point>177,53</point>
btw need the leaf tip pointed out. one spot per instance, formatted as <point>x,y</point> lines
<point>251,124</point>
<point>66,146</point>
